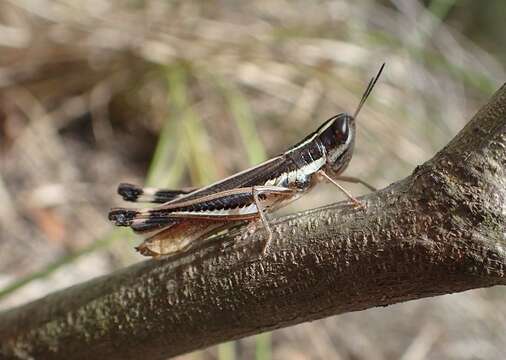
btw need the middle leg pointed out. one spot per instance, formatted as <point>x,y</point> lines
<point>263,218</point>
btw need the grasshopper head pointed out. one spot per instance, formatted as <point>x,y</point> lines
<point>337,136</point>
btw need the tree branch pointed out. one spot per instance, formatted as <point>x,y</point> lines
<point>441,230</point>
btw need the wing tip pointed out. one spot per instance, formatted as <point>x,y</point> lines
<point>122,216</point>
<point>129,192</point>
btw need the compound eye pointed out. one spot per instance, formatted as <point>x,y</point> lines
<point>342,127</point>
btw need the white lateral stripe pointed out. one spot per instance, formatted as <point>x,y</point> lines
<point>302,144</point>
<point>330,122</point>
<point>299,174</point>
<point>248,210</point>
<point>312,167</point>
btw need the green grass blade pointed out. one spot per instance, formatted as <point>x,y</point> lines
<point>263,346</point>
<point>226,351</point>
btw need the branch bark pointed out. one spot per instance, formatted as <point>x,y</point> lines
<point>440,230</point>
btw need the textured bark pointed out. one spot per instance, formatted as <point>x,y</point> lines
<point>441,230</point>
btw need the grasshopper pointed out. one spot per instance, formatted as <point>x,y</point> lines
<point>184,216</point>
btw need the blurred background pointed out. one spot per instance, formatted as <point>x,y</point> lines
<point>181,93</point>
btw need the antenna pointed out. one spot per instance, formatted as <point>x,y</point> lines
<point>368,91</point>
